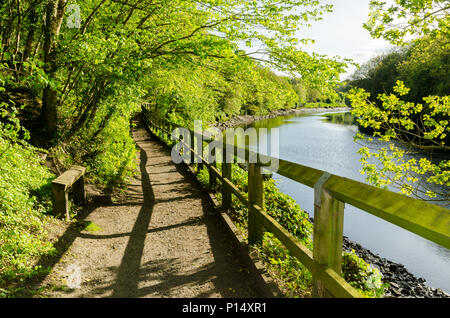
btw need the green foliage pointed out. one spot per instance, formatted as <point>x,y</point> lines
<point>199,93</point>
<point>92,227</point>
<point>324,105</point>
<point>287,212</point>
<point>416,126</point>
<point>115,154</point>
<point>411,110</point>
<point>405,18</point>
<point>294,278</point>
<point>24,201</point>
<point>106,146</point>
<point>310,97</point>
<point>427,65</point>
<point>423,66</point>
<point>380,73</point>
<point>189,67</point>
<point>181,56</point>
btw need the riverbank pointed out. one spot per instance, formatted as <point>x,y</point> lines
<point>243,120</point>
<point>402,284</point>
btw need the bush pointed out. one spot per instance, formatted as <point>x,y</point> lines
<point>24,201</point>
<point>365,278</point>
<point>324,105</point>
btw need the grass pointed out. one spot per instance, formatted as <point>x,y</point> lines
<point>25,203</point>
<point>92,227</point>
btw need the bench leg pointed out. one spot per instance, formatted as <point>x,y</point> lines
<point>60,201</point>
<point>78,191</point>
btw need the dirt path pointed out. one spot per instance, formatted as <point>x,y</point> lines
<point>164,241</point>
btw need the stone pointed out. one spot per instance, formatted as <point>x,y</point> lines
<point>394,285</point>
<point>393,267</point>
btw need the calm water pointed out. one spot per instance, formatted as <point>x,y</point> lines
<point>325,142</point>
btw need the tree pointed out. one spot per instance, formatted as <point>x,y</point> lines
<point>415,125</point>
<point>404,19</point>
<point>91,79</point>
<point>54,14</point>
<point>415,131</point>
<point>426,67</point>
<point>121,41</point>
<point>380,73</point>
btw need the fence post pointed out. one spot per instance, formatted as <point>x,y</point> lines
<point>170,128</point>
<point>328,233</point>
<point>255,197</point>
<point>226,173</point>
<point>200,152</point>
<point>212,176</point>
<point>192,147</point>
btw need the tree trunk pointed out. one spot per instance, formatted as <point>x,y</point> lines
<point>7,30</point>
<point>53,20</point>
<point>30,37</point>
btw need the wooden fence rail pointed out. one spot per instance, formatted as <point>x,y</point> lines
<point>331,192</point>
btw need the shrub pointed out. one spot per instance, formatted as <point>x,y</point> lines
<point>24,201</point>
<point>365,278</point>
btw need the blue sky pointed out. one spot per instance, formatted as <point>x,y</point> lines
<point>341,33</point>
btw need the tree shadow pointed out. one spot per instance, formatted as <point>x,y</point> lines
<point>128,271</point>
<point>131,278</point>
<point>74,231</point>
<point>159,277</point>
<point>61,246</point>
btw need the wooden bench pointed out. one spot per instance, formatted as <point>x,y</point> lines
<point>72,178</point>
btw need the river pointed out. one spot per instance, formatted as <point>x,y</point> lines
<point>325,141</point>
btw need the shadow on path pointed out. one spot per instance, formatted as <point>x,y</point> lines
<point>128,271</point>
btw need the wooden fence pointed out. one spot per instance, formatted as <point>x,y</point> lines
<point>331,192</point>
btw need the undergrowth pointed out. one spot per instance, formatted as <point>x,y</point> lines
<point>25,201</point>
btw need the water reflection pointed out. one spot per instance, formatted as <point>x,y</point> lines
<point>345,118</point>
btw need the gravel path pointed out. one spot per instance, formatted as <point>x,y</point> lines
<point>164,241</point>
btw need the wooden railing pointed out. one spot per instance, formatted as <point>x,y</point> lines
<point>331,192</point>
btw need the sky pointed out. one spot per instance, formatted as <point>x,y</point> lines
<point>341,33</point>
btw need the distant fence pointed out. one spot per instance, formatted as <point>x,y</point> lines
<point>331,192</point>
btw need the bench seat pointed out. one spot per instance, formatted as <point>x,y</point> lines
<point>72,178</point>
